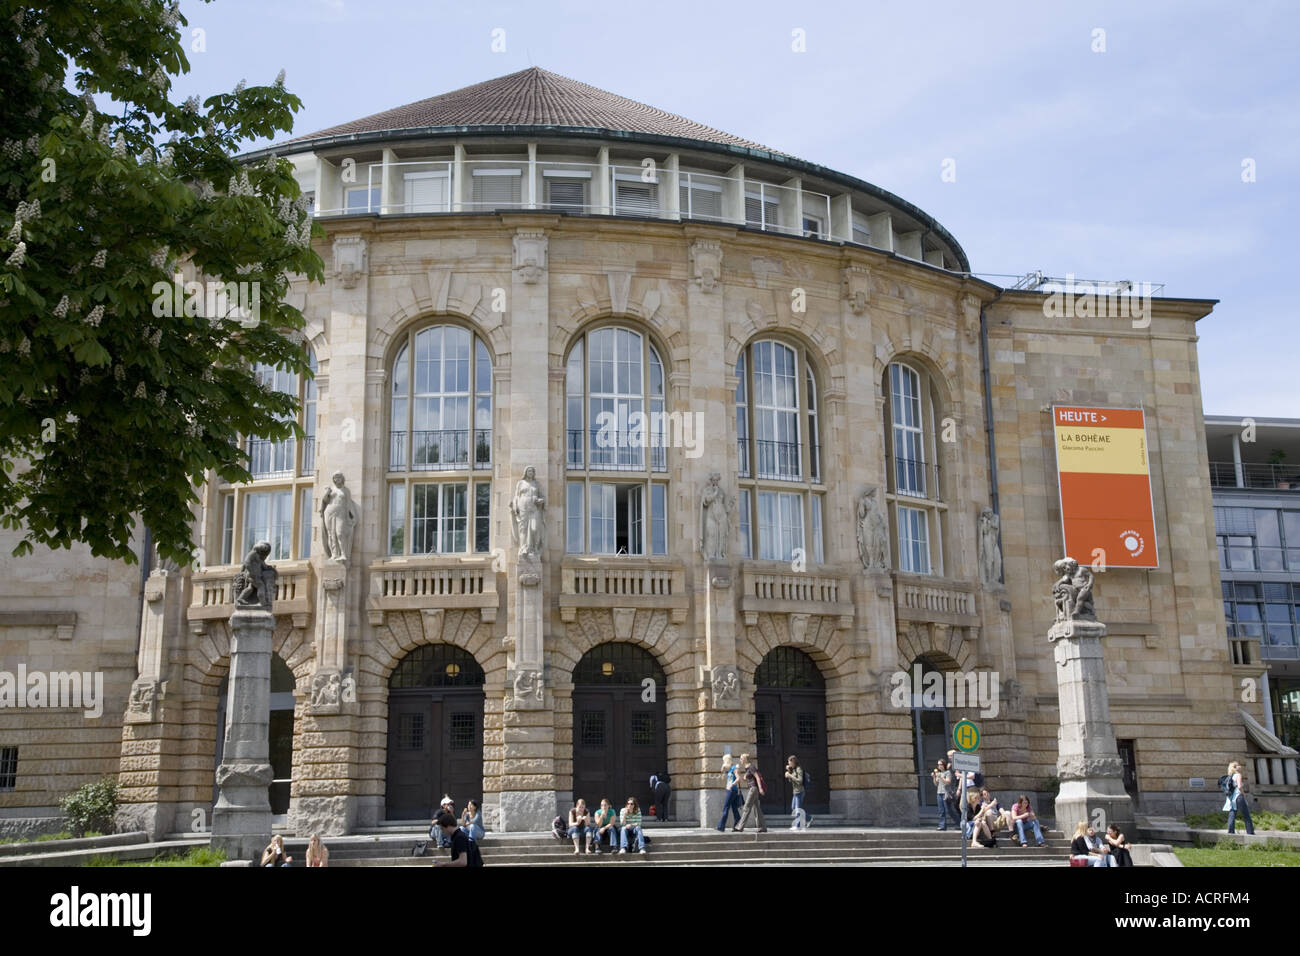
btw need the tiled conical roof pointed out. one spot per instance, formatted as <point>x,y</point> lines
<point>535,97</point>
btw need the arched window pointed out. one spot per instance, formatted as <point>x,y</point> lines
<point>440,421</point>
<point>276,507</point>
<point>779,453</point>
<point>616,443</point>
<point>437,665</point>
<point>915,489</point>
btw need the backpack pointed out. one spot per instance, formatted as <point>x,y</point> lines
<point>473,857</point>
<point>1225,785</point>
<point>977,779</point>
<point>807,779</point>
<point>558,828</point>
<point>758,779</point>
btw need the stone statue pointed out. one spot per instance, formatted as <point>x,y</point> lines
<point>325,688</point>
<point>715,519</point>
<point>254,585</point>
<point>338,520</point>
<point>526,519</point>
<point>1072,591</point>
<point>725,684</point>
<point>990,552</point>
<point>873,533</point>
<point>528,684</point>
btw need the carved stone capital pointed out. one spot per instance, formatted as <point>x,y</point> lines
<point>351,259</point>
<point>706,263</point>
<point>530,248</point>
<point>855,286</point>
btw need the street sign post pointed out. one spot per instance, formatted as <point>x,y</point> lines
<point>966,763</point>
<point>967,738</point>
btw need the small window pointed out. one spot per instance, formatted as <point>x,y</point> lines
<point>566,195</point>
<point>496,187</point>
<point>593,728</point>
<point>805,733</point>
<point>8,768</point>
<point>643,728</point>
<point>362,199</point>
<point>633,197</point>
<point>461,731</point>
<point>813,227</point>
<point>913,541</point>
<point>763,729</point>
<point>410,732</point>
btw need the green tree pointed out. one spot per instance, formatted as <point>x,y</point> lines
<point>115,400</point>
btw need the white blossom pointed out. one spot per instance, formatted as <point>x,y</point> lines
<point>158,258</point>
<point>104,133</point>
<point>191,105</point>
<point>155,338</point>
<point>95,316</point>
<point>16,231</point>
<point>34,144</point>
<point>158,79</point>
<point>100,259</point>
<point>24,346</point>
<point>239,87</point>
<point>18,256</point>
<point>141,391</point>
<point>119,145</point>
<point>61,309</point>
<point>169,156</point>
<point>161,397</point>
<point>279,79</point>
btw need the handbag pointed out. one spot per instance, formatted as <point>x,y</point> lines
<point>1079,861</point>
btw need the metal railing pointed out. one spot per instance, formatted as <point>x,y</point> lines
<point>615,451</point>
<point>1282,477</point>
<point>914,478</point>
<point>270,459</point>
<point>779,460</point>
<point>308,464</point>
<point>440,450</point>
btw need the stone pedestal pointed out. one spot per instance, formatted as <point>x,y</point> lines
<point>241,821</point>
<point>1088,762</point>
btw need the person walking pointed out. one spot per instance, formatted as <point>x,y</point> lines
<point>944,792</point>
<point>794,773</point>
<point>1238,801</point>
<point>731,796</point>
<point>755,791</point>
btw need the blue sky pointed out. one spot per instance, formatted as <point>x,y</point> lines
<point>1122,164</point>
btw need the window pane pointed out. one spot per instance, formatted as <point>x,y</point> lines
<point>573,517</point>
<point>482,516</point>
<point>913,541</point>
<point>767,526</point>
<point>455,518</point>
<point>817,529</point>
<point>304,524</point>
<point>658,519</point>
<point>227,527</point>
<point>396,518</point>
<point>742,506</point>
<point>603,519</point>
<point>424,519</point>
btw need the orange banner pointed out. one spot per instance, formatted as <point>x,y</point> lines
<point>1107,518</point>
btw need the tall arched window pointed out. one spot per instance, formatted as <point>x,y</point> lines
<point>616,444</point>
<point>915,489</point>
<point>276,506</point>
<point>779,451</point>
<point>440,421</point>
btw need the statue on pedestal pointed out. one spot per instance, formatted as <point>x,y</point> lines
<point>990,552</point>
<point>715,520</point>
<point>254,585</point>
<point>1072,591</point>
<point>527,521</point>
<point>338,520</point>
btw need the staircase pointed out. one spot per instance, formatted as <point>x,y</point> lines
<point>679,846</point>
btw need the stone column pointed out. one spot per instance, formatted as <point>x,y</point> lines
<point>241,821</point>
<point>1088,762</point>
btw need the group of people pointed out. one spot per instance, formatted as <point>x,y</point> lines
<point>746,772</point>
<point>1088,849</point>
<point>617,828</point>
<point>470,822</point>
<point>983,816</point>
<point>274,855</point>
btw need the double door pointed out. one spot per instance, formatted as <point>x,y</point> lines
<point>792,721</point>
<point>619,741</point>
<point>435,748</point>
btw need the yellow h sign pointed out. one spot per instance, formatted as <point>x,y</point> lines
<point>966,736</point>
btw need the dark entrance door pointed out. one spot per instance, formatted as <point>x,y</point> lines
<point>930,737</point>
<point>435,732</point>
<point>620,738</point>
<point>790,718</point>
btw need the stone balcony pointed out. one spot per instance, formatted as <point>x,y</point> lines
<point>429,582</point>
<point>774,588</point>
<point>623,582</point>
<point>211,597</point>
<point>923,597</point>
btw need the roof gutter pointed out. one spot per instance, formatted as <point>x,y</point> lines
<point>990,439</point>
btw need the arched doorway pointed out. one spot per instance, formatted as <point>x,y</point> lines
<point>790,718</point>
<point>619,738</point>
<point>279,735</point>
<point>930,740</point>
<point>435,731</point>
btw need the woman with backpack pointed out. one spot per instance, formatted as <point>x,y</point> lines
<point>753,795</point>
<point>794,773</point>
<point>1234,786</point>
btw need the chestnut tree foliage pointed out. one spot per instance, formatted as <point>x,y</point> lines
<point>114,403</point>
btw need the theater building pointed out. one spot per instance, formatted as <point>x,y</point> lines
<point>534,273</point>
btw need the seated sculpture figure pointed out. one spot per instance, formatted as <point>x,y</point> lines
<point>1072,592</point>
<point>255,584</point>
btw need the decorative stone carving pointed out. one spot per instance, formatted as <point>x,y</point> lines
<point>990,552</point>
<point>725,684</point>
<point>715,519</point>
<point>855,286</point>
<point>526,519</point>
<point>798,628</point>
<point>254,585</point>
<point>339,518</point>
<point>1072,591</point>
<point>326,692</point>
<point>706,263</point>
<point>351,260</point>
<point>969,306</point>
<point>1084,768</point>
<point>873,532</point>
<point>155,586</point>
<point>530,254</point>
<point>142,707</point>
<point>528,691</point>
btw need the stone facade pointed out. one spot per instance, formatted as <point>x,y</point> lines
<point>530,283</point>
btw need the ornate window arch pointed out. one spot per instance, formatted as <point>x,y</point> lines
<point>440,424</point>
<point>779,451</point>
<point>918,514</point>
<point>616,458</point>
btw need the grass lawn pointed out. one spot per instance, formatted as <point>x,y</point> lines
<point>1263,820</point>
<point>1226,853</point>
<point>65,835</point>
<point>199,856</point>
